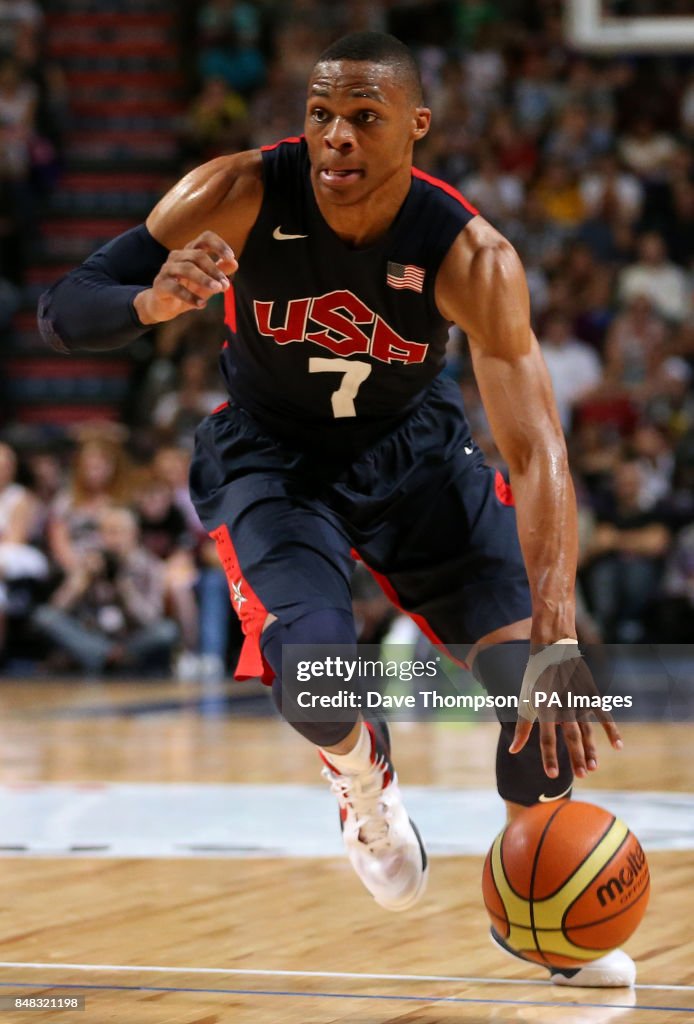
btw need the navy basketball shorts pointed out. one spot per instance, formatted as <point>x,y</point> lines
<point>432,522</point>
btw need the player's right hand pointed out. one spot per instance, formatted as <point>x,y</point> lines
<point>187,280</point>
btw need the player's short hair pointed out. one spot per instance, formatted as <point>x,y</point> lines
<point>377,48</point>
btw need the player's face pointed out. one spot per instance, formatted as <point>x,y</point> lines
<point>361,124</point>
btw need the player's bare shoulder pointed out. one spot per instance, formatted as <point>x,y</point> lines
<point>223,195</point>
<point>481,283</point>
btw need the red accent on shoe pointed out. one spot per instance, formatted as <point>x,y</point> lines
<point>387,774</point>
<point>327,763</point>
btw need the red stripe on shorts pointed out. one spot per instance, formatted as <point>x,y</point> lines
<point>250,609</point>
<point>503,490</point>
<point>419,620</point>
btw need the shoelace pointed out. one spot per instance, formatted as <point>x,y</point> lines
<point>362,793</point>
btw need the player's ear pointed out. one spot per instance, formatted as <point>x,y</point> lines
<point>421,123</point>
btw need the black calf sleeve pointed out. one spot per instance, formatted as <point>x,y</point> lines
<point>521,777</point>
<point>328,626</point>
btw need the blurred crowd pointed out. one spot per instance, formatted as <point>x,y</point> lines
<point>34,108</point>
<point>584,163</point>
<point>104,564</point>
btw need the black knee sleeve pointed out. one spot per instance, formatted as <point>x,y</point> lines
<point>328,626</point>
<point>520,777</point>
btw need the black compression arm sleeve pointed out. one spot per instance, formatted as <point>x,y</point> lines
<point>91,308</point>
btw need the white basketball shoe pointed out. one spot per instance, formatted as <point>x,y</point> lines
<point>383,845</point>
<point>614,970</point>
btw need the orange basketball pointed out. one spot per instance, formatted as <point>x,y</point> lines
<point>565,882</point>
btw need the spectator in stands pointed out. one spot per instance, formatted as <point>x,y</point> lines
<point>670,404</point>
<point>557,190</point>
<point>100,478</point>
<point>574,139</point>
<point>46,480</point>
<point>596,449</point>
<point>18,99</point>
<point>177,414</point>
<point>646,151</point>
<point>18,102</point>
<point>687,109</point>
<point>679,231</point>
<point>653,275</point>
<point>588,84</point>
<point>537,93</point>
<point>109,612</point>
<point>53,105</point>
<point>651,448</point>
<point>573,366</point>
<point>228,32</point>
<point>634,346</point>
<point>216,122</point>
<point>19,559</point>
<point>516,152</point>
<point>499,195</point>
<point>16,17</point>
<point>485,69</point>
<point>165,534</point>
<point>608,191</point>
<point>10,296</point>
<point>595,312</point>
<point>579,269</point>
<point>277,108</point>
<point>538,236</point>
<point>674,623</point>
<point>172,465</point>
<point>624,558</point>
<point>12,250</point>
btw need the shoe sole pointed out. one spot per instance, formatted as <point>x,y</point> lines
<point>414,898</point>
<point>419,891</point>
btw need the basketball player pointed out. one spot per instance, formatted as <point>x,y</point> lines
<point>340,436</point>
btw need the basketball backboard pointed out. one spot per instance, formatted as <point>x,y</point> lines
<point>592,26</point>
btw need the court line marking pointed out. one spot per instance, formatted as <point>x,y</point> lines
<point>267,973</point>
<point>355,995</point>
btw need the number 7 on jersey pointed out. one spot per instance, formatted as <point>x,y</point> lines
<point>355,372</point>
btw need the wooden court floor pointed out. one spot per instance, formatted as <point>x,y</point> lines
<point>260,940</point>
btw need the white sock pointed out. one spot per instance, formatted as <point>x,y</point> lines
<point>357,760</point>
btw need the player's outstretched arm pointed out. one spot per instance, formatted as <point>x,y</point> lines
<point>175,262</point>
<point>481,286</point>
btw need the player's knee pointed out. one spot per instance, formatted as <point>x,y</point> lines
<point>314,629</point>
<point>316,632</point>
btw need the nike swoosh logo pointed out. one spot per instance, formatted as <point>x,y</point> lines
<point>468,451</point>
<point>278,234</point>
<point>548,799</point>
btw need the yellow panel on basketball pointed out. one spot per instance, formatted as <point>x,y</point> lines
<point>559,855</point>
<point>493,901</point>
<point>565,883</point>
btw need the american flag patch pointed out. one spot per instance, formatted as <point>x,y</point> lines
<point>400,275</point>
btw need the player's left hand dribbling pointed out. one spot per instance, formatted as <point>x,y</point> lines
<point>563,673</point>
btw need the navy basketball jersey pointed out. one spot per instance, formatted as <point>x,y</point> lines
<point>327,343</point>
